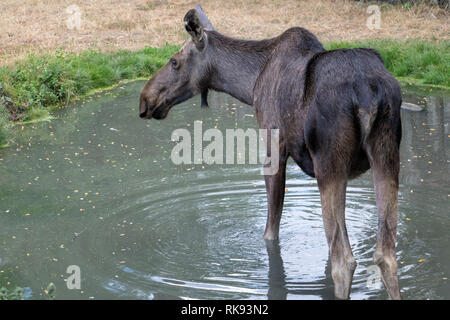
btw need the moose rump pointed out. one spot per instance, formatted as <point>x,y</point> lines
<point>351,104</point>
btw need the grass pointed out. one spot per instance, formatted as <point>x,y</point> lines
<point>33,87</point>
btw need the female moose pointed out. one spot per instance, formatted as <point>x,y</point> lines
<point>337,112</point>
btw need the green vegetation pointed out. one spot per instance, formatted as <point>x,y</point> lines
<point>31,88</point>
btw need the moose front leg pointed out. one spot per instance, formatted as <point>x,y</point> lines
<point>343,264</point>
<point>275,186</point>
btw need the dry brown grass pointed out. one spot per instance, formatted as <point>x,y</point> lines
<point>40,25</point>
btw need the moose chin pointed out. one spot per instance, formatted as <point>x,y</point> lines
<point>337,112</point>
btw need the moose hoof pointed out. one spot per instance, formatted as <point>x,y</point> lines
<point>342,278</point>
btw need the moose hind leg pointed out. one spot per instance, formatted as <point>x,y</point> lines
<point>343,264</point>
<point>385,168</point>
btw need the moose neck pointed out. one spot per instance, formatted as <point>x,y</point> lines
<point>236,64</point>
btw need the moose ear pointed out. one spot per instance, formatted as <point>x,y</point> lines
<point>194,27</point>
<point>207,25</point>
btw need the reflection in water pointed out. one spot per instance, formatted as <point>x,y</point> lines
<point>277,276</point>
<point>96,188</point>
<point>278,287</point>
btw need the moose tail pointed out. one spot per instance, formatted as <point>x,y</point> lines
<point>368,113</point>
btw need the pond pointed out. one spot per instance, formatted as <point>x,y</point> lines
<point>96,188</point>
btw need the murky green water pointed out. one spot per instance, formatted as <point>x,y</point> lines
<point>96,188</point>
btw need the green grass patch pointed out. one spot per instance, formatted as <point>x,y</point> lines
<point>31,88</point>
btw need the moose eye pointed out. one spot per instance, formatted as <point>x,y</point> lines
<point>174,63</point>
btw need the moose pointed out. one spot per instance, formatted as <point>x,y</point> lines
<point>337,112</point>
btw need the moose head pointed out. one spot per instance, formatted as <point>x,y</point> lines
<point>184,75</point>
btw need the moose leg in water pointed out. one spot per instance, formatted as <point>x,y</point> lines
<point>275,177</point>
<point>343,264</point>
<point>384,161</point>
<point>275,187</point>
<point>331,166</point>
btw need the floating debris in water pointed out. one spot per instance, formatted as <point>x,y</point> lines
<point>50,289</point>
<point>77,234</point>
